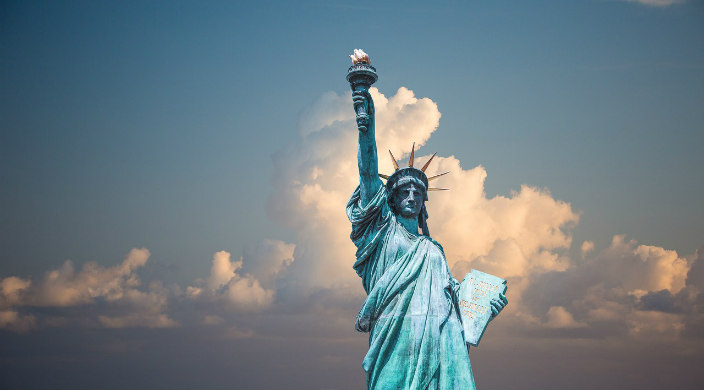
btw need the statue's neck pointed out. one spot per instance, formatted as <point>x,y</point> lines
<point>411,224</point>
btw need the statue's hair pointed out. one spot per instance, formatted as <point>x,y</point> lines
<point>407,175</point>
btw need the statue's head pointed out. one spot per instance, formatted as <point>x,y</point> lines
<point>408,190</point>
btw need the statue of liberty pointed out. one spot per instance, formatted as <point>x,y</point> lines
<point>411,312</point>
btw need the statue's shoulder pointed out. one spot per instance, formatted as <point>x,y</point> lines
<point>437,244</point>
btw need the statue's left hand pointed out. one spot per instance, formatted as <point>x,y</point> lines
<point>497,305</point>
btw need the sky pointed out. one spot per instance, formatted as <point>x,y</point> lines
<point>174,178</point>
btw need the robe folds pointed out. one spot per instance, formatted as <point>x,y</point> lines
<point>411,312</point>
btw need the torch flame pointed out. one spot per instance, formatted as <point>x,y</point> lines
<point>360,56</point>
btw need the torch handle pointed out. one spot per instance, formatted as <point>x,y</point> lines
<point>362,109</point>
<point>361,75</point>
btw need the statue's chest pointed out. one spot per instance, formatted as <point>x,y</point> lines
<point>399,244</point>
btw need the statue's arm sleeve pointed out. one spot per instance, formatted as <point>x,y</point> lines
<point>370,223</point>
<point>367,157</point>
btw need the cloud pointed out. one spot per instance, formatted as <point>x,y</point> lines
<point>509,236</point>
<point>113,289</point>
<point>112,297</point>
<point>559,317</point>
<point>65,287</point>
<point>587,246</point>
<point>315,175</point>
<point>267,260</point>
<point>657,3</point>
<point>525,236</point>
<point>14,321</point>
<point>323,113</point>
<point>213,320</point>
<point>142,309</point>
<point>627,297</point>
<point>695,276</point>
<point>662,301</point>
<point>246,293</point>
<point>638,268</point>
<point>222,271</point>
<point>625,290</point>
<point>247,284</point>
<point>12,290</point>
<point>135,319</point>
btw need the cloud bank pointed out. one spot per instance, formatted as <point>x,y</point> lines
<point>248,284</point>
<point>657,3</point>
<point>117,288</point>
<point>628,293</point>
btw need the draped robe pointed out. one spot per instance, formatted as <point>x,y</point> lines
<point>411,312</point>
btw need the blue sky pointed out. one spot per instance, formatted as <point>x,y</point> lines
<point>168,126</point>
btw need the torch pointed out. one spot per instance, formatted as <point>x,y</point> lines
<point>361,76</point>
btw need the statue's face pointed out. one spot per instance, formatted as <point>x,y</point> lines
<point>408,200</point>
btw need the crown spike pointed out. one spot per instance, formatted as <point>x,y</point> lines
<point>413,152</point>
<point>428,163</point>
<point>437,189</point>
<point>385,177</point>
<point>393,160</point>
<point>438,175</point>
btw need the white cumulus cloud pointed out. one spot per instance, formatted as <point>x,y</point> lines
<point>525,236</point>
<point>246,284</point>
<point>657,3</point>
<point>527,231</point>
<point>626,290</point>
<point>66,287</point>
<point>12,290</point>
<point>559,317</point>
<point>117,286</point>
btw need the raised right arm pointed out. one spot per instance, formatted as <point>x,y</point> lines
<point>367,159</point>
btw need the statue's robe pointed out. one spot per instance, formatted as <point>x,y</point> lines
<point>411,312</point>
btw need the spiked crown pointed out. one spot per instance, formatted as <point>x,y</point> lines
<point>410,173</point>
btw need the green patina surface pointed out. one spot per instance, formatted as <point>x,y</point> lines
<point>411,312</point>
<point>415,333</point>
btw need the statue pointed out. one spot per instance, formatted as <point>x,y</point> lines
<point>412,314</point>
